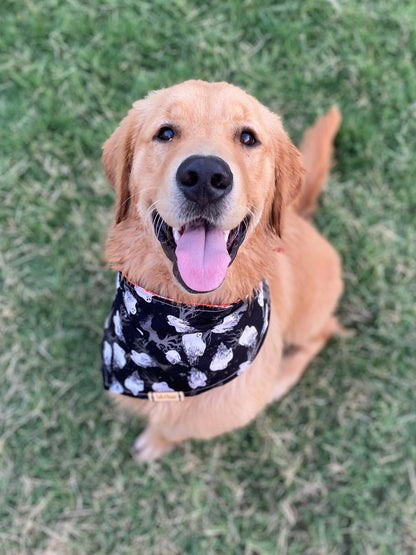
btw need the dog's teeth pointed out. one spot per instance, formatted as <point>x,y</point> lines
<point>176,234</point>
<point>226,235</point>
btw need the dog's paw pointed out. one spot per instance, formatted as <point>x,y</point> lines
<point>150,446</point>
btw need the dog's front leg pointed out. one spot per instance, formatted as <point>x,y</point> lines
<point>150,445</point>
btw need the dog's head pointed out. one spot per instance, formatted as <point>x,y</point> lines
<point>206,165</point>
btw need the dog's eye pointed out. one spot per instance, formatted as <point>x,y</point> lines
<point>165,134</point>
<point>248,138</point>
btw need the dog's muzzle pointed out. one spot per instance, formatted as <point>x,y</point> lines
<point>200,250</point>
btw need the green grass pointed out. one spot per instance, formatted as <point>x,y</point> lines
<point>331,468</point>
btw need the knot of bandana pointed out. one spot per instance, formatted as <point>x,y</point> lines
<point>153,345</point>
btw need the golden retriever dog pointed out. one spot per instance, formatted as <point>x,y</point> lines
<point>213,199</point>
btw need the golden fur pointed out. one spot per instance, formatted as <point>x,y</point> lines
<point>302,268</point>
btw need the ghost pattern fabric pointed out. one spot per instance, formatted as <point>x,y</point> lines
<point>153,344</point>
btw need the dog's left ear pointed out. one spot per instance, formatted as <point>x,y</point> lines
<point>118,159</point>
<point>289,177</point>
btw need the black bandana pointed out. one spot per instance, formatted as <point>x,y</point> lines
<point>153,346</point>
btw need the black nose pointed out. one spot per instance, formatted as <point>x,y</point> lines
<point>204,179</point>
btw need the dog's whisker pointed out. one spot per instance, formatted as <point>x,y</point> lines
<point>152,206</point>
<point>128,199</point>
<point>159,224</point>
<point>146,189</point>
<point>136,194</point>
<point>251,210</point>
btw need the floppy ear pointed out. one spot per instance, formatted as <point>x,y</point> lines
<point>289,176</point>
<point>118,158</point>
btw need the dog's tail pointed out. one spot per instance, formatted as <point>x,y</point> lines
<point>316,150</point>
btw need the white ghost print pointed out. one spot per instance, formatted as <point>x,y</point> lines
<point>117,326</point>
<point>248,337</point>
<point>266,320</point>
<point>129,302</point>
<point>197,379</point>
<point>180,325</point>
<point>221,358</point>
<point>161,386</point>
<point>194,346</point>
<point>145,295</point>
<point>243,367</point>
<point>228,323</point>
<point>107,321</point>
<point>116,387</point>
<point>142,359</point>
<point>173,357</point>
<point>107,353</point>
<point>119,356</point>
<point>260,298</point>
<point>134,383</point>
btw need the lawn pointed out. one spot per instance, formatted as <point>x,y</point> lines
<point>331,469</point>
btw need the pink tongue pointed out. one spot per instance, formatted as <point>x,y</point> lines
<point>202,257</point>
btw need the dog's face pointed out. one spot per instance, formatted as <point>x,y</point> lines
<point>205,165</point>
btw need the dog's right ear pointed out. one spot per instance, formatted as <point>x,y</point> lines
<point>118,159</point>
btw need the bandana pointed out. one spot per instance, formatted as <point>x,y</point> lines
<point>155,348</point>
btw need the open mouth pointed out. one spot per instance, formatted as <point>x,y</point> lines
<point>200,252</point>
